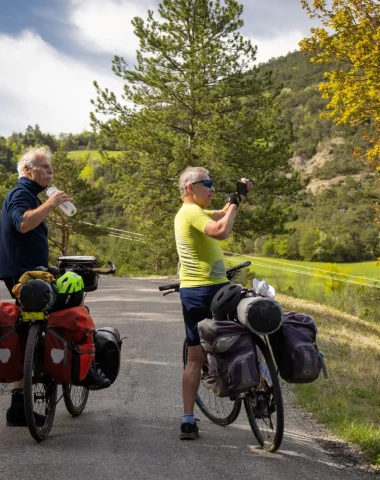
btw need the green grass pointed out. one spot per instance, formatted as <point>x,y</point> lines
<point>348,401</point>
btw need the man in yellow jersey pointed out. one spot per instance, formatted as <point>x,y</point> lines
<point>202,271</point>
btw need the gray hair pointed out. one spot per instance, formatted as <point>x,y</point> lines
<point>188,176</point>
<point>29,159</point>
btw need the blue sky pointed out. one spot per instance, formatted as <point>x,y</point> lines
<point>52,50</point>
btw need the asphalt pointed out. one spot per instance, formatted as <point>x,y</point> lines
<point>131,430</point>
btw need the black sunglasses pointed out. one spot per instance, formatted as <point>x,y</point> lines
<point>206,183</point>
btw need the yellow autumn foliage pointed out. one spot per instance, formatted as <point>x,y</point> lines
<point>349,41</point>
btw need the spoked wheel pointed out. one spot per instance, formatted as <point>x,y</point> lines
<point>40,392</point>
<point>263,405</point>
<point>75,398</point>
<point>222,411</point>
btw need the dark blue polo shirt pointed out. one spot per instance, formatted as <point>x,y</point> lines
<point>20,252</point>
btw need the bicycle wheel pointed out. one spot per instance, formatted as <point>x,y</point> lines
<point>40,392</point>
<point>75,398</point>
<point>222,411</point>
<point>264,405</point>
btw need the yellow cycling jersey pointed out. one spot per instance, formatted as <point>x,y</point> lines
<point>201,257</point>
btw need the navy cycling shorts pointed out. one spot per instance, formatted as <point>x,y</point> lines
<point>196,307</point>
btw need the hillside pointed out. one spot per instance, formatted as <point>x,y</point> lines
<point>335,217</point>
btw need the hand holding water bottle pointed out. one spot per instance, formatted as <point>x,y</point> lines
<point>59,199</point>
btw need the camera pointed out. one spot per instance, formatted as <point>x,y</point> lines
<point>241,191</point>
<point>241,187</point>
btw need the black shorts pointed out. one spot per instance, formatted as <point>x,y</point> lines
<point>196,307</point>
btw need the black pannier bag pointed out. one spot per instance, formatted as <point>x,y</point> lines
<point>295,350</point>
<point>232,363</point>
<point>75,263</point>
<point>107,352</point>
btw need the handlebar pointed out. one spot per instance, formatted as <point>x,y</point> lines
<point>55,271</point>
<point>175,286</point>
<point>105,271</point>
<point>230,273</point>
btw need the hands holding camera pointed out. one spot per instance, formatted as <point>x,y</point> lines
<point>243,187</point>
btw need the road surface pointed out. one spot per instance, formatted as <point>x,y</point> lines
<point>131,430</point>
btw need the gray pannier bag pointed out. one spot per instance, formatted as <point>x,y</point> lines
<point>232,364</point>
<point>295,350</point>
<point>261,315</point>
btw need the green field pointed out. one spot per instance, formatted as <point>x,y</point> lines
<point>291,270</point>
<point>94,154</point>
<point>350,287</point>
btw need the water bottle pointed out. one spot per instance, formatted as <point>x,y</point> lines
<point>66,207</point>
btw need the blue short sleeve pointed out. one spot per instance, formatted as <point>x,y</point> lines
<point>18,203</point>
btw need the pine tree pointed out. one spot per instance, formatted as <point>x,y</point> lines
<point>197,100</point>
<point>86,198</point>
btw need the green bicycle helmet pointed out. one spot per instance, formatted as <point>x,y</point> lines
<point>70,282</point>
<point>70,291</point>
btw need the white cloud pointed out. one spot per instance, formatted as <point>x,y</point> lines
<point>40,85</point>
<point>277,46</point>
<point>105,26</point>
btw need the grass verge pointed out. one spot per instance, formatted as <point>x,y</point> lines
<point>348,402</point>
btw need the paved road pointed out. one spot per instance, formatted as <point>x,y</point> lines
<point>131,430</point>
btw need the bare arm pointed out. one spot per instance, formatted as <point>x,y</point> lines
<point>32,218</point>
<point>221,228</point>
<point>219,214</point>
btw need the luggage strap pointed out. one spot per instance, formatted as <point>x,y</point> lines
<point>8,333</point>
<point>27,316</point>
<point>324,369</point>
<point>66,344</point>
<point>61,339</point>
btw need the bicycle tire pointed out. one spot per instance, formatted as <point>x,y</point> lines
<point>40,392</point>
<point>221,411</point>
<point>268,427</point>
<point>75,398</point>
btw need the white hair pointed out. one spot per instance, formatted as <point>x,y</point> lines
<point>188,176</point>
<point>29,158</point>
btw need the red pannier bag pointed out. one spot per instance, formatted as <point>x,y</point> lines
<point>11,357</point>
<point>69,345</point>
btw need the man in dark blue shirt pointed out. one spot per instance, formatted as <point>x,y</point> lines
<point>24,237</point>
<point>24,246</point>
<point>23,231</point>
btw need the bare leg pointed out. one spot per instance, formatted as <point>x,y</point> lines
<point>191,378</point>
<point>19,384</point>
